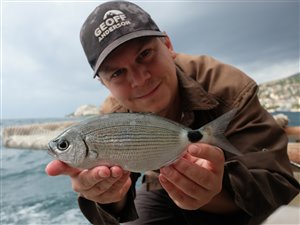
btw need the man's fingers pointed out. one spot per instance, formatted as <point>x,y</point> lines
<point>117,171</point>
<point>57,167</point>
<point>191,172</point>
<point>115,191</point>
<point>207,152</point>
<point>88,178</point>
<point>118,190</point>
<point>180,198</point>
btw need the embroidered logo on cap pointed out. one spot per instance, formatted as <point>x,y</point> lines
<point>112,20</point>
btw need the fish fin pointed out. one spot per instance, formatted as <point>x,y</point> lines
<point>220,124</point>
<point>214,132</point>
<point>174,160</point>
<point>93,154</point>
<point>223,143</point>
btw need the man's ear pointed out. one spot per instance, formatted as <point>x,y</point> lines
<point>169,45</point>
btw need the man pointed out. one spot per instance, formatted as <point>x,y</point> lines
<point>137,63</point>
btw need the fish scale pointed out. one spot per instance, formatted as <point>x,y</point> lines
<point>135,141</point>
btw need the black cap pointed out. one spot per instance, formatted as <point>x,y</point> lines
<point>110,25</point>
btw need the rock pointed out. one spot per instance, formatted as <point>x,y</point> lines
<point>86,110</point>
<point>281,119</point>
<point>110,105</point>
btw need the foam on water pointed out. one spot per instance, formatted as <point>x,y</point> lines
<point>38,215</point>
<point>29,196</point>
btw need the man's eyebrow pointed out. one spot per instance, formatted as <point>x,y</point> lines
<point>142,42</point>
<point>106,69</point>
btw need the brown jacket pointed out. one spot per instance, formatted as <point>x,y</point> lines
<point>261,179</point>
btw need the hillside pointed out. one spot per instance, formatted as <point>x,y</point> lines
<point>281,95</point>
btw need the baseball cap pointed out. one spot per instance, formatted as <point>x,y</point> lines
<point>112,24</point>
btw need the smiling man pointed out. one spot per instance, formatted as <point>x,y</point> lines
<point>140,79</point>
<point>207,185</point>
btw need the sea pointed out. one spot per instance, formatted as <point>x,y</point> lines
<point>29,196</point>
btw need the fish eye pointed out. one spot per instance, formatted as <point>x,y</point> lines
<point>62,145</point>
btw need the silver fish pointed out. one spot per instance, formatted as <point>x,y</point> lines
<point>135,141</point>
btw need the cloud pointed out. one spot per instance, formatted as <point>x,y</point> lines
<point>274,71</point>
<point>45,72</point>
<point>244,32</point>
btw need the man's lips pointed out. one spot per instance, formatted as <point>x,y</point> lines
<point>148,93</point>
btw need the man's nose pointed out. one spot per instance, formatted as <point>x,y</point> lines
<point>139,75</point>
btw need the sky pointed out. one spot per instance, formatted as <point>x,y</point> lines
<point>45,74</point>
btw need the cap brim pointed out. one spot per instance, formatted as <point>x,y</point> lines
<point>121,40</point>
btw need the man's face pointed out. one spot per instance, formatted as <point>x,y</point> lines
<point>141,75</point>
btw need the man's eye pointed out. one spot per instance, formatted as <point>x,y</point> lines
<point>144,54</point>
<point>118,73</point>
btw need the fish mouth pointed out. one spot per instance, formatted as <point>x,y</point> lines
<point>51,149</point>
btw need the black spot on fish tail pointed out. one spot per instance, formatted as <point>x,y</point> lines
<point>194,136</point>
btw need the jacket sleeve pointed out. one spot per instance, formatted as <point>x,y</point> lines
<point>261,179</point>
<point>100,214</point>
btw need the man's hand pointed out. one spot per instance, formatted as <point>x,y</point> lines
<point>196,178</point>
<point>101,184</point>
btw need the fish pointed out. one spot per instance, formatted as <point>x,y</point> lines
<point>136,142</point>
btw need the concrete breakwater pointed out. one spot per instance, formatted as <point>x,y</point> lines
<point>33,136</point>
<point>37,136</point>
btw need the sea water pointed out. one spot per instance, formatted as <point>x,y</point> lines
<point>29,196</point>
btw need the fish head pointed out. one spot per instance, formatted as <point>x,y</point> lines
<point>68,147</point>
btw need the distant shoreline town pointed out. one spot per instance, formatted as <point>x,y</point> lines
<point>281,95</point>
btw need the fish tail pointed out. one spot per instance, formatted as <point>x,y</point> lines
<point>223,143</point>
<point>216,129</point>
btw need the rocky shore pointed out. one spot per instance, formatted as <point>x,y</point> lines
<point>281,95</point>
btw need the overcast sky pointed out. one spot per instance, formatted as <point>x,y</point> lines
<point>44,71</point>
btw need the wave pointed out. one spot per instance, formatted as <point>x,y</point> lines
<point>39,213</point>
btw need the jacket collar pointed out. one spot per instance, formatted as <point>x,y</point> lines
<point>192,95</point>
